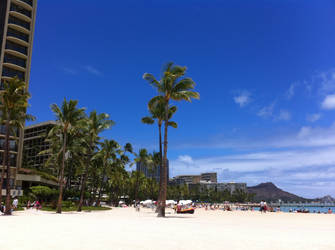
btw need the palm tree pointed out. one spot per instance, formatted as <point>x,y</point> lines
<point>69,119</point>
<point>157,111</point>
<point>14,105</point>
<point>172,86</point>
<point>109,151</point>
<point>141,158</point>
<point>96,123</point>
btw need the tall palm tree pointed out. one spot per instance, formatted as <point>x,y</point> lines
<point>95,124</point>
<point>172,86</point>
<point>157,112</point>
<point>14,99</point>
<point>69,119</point>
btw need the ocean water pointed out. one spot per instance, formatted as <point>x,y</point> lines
<point>311,209</point>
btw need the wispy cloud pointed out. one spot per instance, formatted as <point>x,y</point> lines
<point>69,71</point>
<point>326,80</point>
<point>284,115</point>
<point>305,137</point>
<point>243,98</point>
<point>329,102</point>
<point>267,111</point>
<point>291,91</point>
<point>313,117</point>
<point>92,70</point>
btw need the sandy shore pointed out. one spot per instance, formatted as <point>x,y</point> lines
<point>123,228</point>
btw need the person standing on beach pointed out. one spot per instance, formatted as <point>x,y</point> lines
<point>261,206</point>
<point>15,203</point>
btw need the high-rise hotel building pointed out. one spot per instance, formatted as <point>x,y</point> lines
<point>17,21</point>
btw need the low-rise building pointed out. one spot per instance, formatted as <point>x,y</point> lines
<point>209,177</point>
<point>185,179</point>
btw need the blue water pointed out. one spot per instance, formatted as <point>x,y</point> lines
<point>311,209</point>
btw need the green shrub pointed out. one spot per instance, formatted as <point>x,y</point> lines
<point>44,193</point>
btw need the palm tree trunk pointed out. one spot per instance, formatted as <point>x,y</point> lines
<point>136,186</point>
<point>160,167</point>
<point>83,184</point>
<point>61,178</point>
<point>101,187</point>
<point>6,152</point>
<point>4,159</point>
<point>161,211</point>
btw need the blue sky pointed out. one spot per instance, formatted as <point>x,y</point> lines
<point>265,71</point>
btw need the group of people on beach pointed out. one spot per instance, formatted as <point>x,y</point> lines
<point>35,204</point>
<point>13,208</point>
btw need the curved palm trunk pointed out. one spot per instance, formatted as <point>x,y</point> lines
<point>4,159</point>
<point>6,152</point>
<point>61,178</point>
<point>161,210</point>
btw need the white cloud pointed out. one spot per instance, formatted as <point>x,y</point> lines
<point>243,99</point>
<point>329,102</point>
<point>291,91</point>
<point>93,70</point>
<point>305,137</point>
<point>266,111</point>
<point>185,159</point>
<point>69,71</point>
<point>304,132</point>
<point>326,80</point>
<point>313,117</point>
<point>280,160</point>
<point>284,115</point>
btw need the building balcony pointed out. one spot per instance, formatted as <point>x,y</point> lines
<point>18,35</point>
<point>28,4</point>
<point>14,66</point>
<point>16,53</point>
<point>20,16</point>
<point>10,72</point>
<point>18,24</point>
<point>18,41</point>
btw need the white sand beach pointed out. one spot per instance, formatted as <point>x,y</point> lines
<point>124,228</point>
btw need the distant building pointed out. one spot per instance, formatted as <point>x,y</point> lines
<point>231,187</point>
<point>185,179</point>
<point>195,179</point>
<point>209,177</point>
<point>154,173</point>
